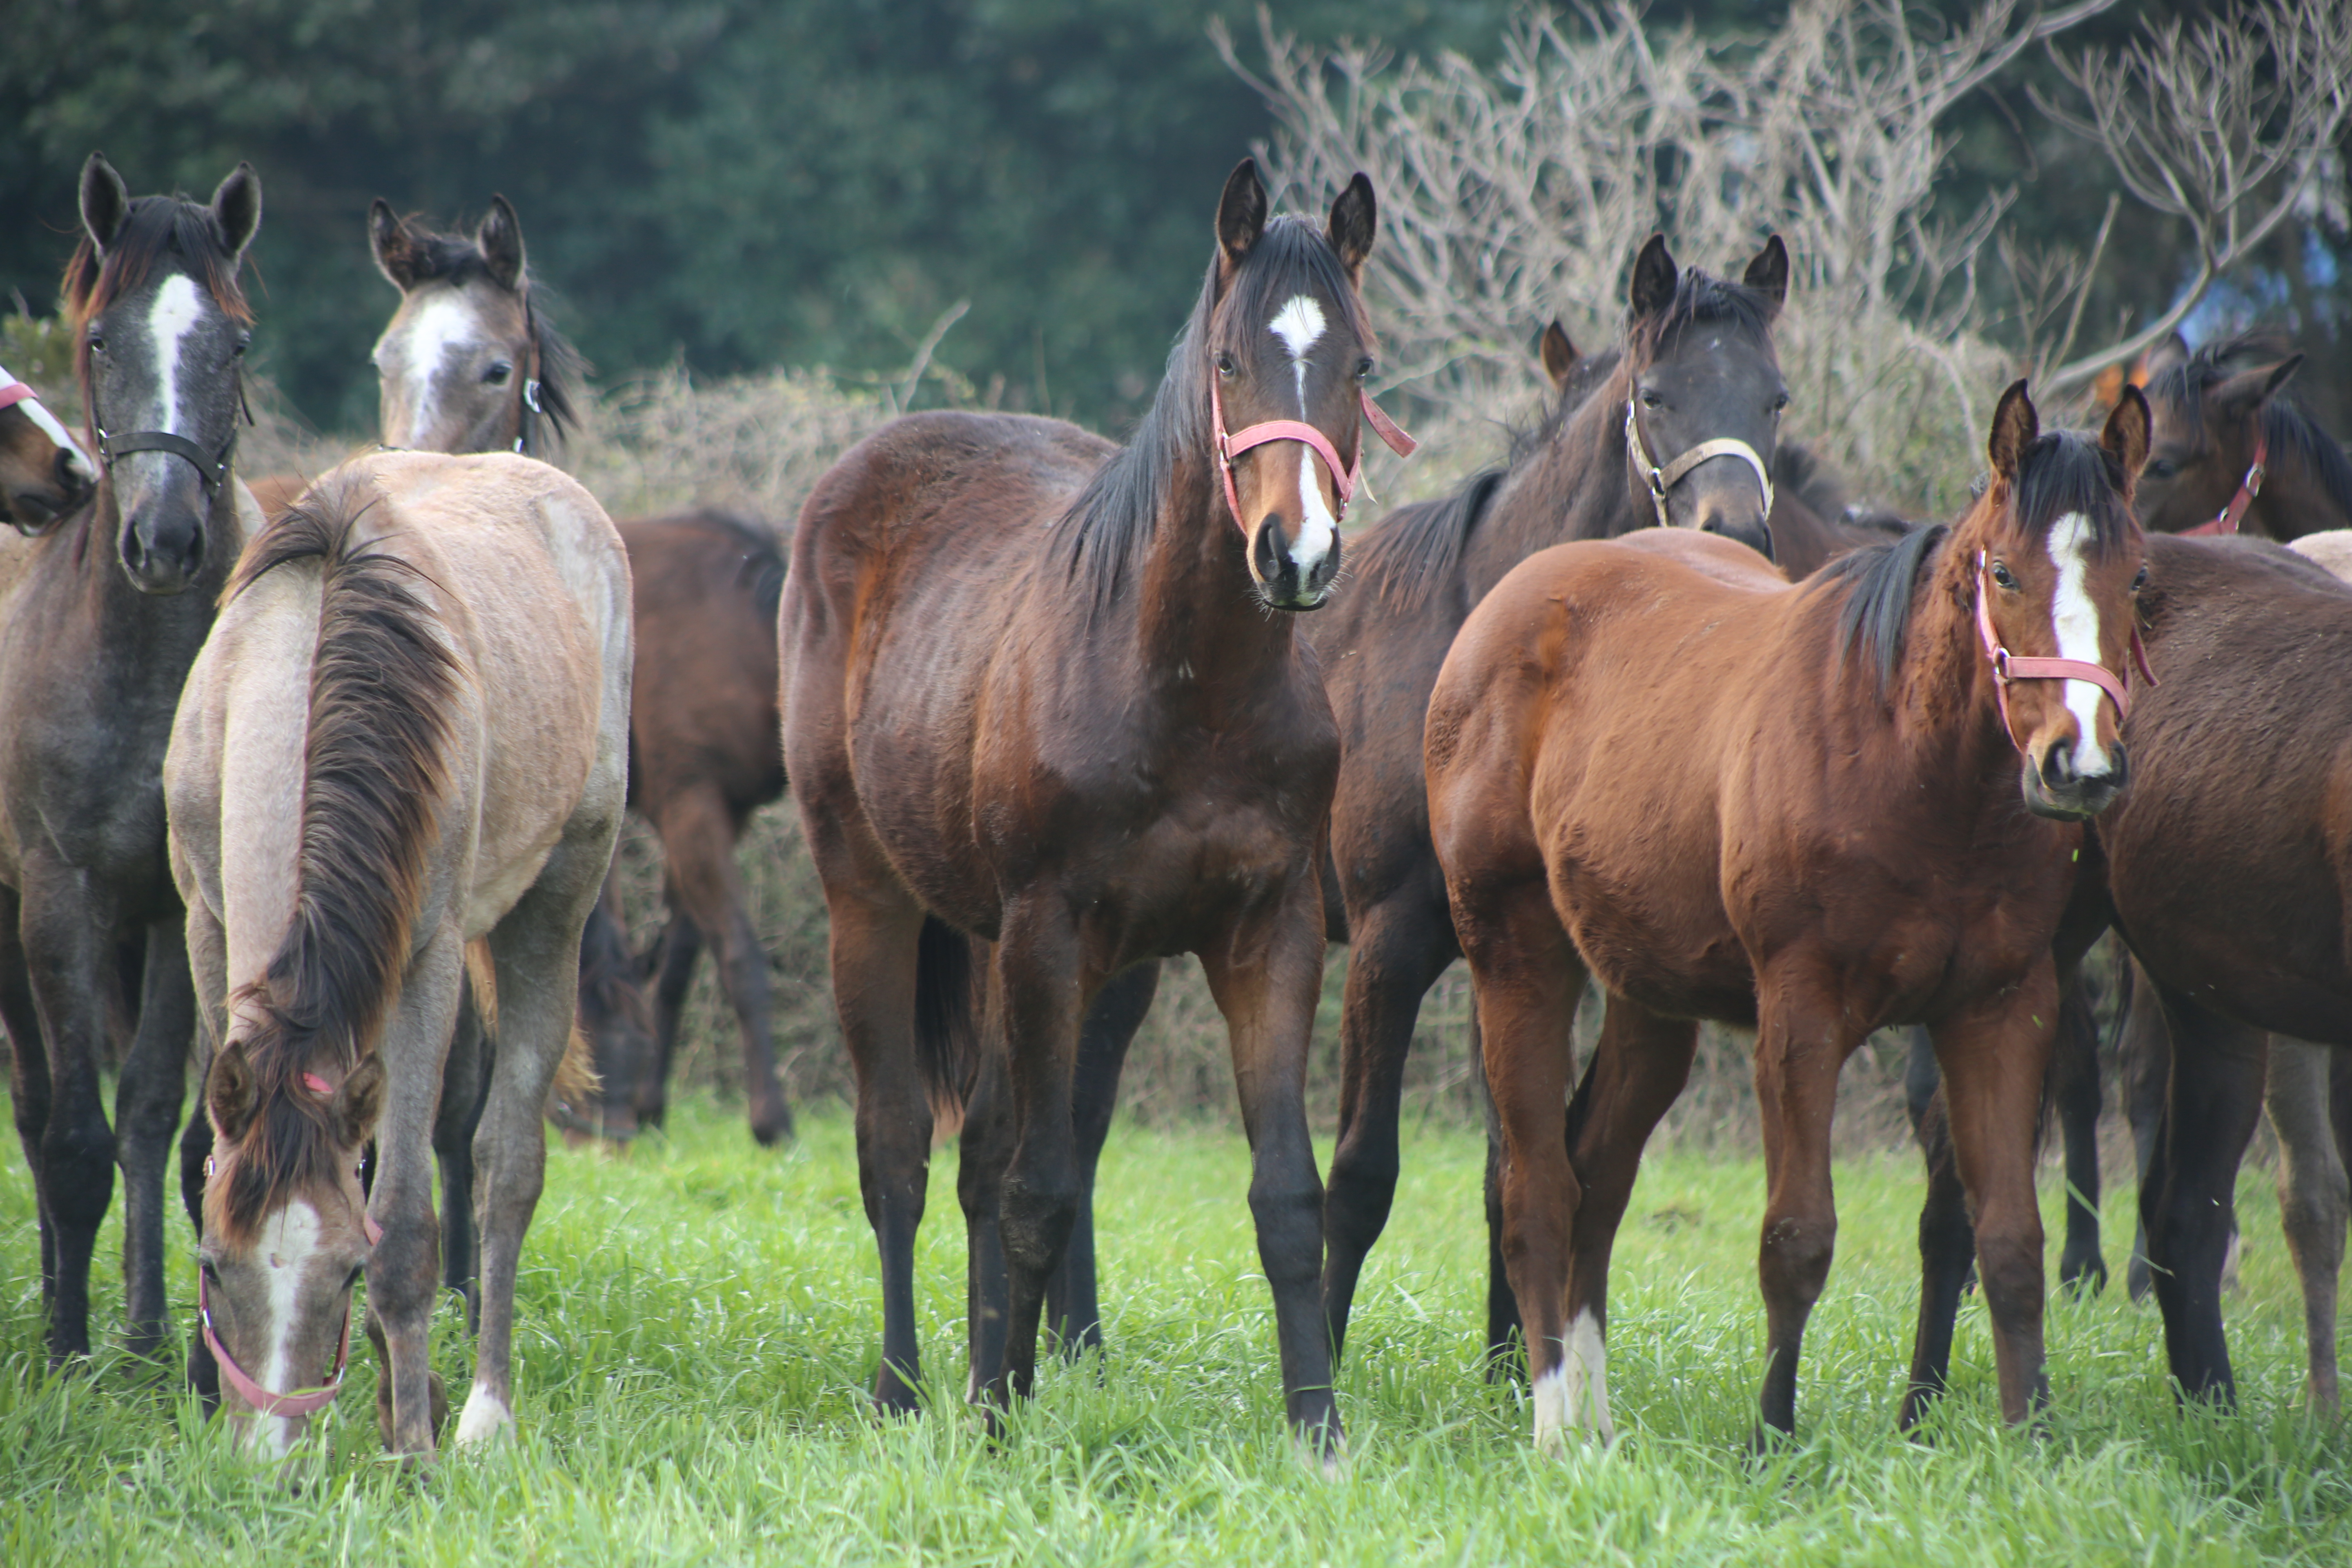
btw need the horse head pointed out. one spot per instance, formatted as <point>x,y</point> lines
<point>43,473</point>
<point>287,1236</point>
<point>163,326</point>
<point>1705,394</point>
<point>2057,560</point>
<point>1290,349</point>
<point>2208,411</point>
<point>466,363</point>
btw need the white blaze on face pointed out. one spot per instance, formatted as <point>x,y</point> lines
<point>1574,1395</point>
<point>286,1253</point>
<point>441,328</point>
<point>178,307</point>
<point>2075,620</point>
<point>1300,325</point>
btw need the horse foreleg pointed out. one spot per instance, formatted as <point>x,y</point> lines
<point>1803,1039</point>
<point>206,946</point>
<point>71,960</point>
<point>674,957</point>
<point>2314,1201</point>
<point>698,840</point>
<point>1995,1056</point>
<point>2144,1077</point>
<point>1528,977</point>
<point>404,1268</point>
<point>1397,951</point>
<point>2074,1086</point>
<point>465,1085</point>
<point>146,1114</point>
<point>1267,974</point>
<point>1073,1302</point>
<point>1639,1068</point>
<point>2187,1200</point>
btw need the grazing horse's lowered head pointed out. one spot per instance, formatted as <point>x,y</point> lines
<point>468,363</point>
<point>2055,561</point>
<point>1702,411</point>
<point>44,472</point>
<point>1285,360</point>
<point>162,326</point>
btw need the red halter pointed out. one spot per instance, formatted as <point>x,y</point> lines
<point>2248,488</point>
<point>2008,667</point>
<point>1344,480</point>
<point>263,1401</point>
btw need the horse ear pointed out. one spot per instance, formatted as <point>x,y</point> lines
<point>105,201</point>
<point>1559,355</point>
<point>397,255</point>
<point>2168,352</point>
<point>501,241</point>
<point>360,1101</point>
<point>1768,274</point>
<point>230,1093</point>
<point>237,207</point>
<point>2128,434</point>
<point>1241,214</point>
<point>2242,396</point>
<point>1653,278</point>
<point>2015,427</point>
<point>1353,218</point>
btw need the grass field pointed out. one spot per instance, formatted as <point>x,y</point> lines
<point>697,1320</point>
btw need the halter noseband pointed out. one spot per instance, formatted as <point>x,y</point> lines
<point>1659,480</point>
<point>212,469</point>
<point>263,1401</point>
<point>2249,487</point>
<point>1343,479</point>
<point>2008,667</point>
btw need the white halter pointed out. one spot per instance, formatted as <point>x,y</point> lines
<point>1658,480</point>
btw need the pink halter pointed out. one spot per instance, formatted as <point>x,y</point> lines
<point>2008,667</point>
<point>13,392</point>
<point>263,1401</point>
<point>2232,515</point>
<point>1344,480</point>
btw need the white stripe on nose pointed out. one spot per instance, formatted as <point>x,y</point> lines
<point>288,1258</point>
<point>2075,619</point>
<point>177,309</point>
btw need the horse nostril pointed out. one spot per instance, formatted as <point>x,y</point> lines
<point>1270,549</point>
<point>2058,764</point>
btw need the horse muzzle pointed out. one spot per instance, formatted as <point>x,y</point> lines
<point>1284,582</point>
<point>163,545</point>
<point>2054,790</point>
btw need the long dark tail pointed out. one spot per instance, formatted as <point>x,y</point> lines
<point>374,776</point>
<point>947,1009</point>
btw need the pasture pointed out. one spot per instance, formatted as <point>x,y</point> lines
<point>696,1326</point>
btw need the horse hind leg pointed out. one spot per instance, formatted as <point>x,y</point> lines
<point>2314,1202</point>
<point>29,1075</point>
<point>465,1087</point>
<point>1073,1301</point>
<point>675,954</point>
<point>2074,1090</point>
<point>699,838</point>
<point>2144,1075</point>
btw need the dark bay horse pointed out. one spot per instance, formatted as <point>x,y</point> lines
<point>1045,717</point>
<point>43,473</point>
<point>470,363</point>
<point>399,757</point>
<point>1696,362</point>
<point>1800,809</point>
<point>102,617</point>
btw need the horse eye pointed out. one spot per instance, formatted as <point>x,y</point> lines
<point>2158,468</point>
<point>497,375</point>
<point>242,339</point>
<point>2140,581</point>
<point>98,342</point>
<point>2000,574</point>
<point>1225,365</point>
<point>1364,371</point>
<point>1651,399</point>
<point>1780,403</point>
<point>211,1273</point>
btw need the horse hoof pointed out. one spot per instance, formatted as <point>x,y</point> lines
<point>2084,1278</point>
<point>485,1418</point>
<point>771,1125</point>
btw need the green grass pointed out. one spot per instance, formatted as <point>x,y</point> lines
<point>699,1320</point>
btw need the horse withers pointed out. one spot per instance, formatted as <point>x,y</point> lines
<point>408,733</point>
<point>1046,716</point>
<point>1817,811</point>
<point>100,618</point>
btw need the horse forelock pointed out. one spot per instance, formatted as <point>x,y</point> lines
<point>1700,300</point>
<point>1103,534</point>
<point>2061,473</point>
<point>290,1146</point>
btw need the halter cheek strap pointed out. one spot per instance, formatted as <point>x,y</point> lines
<point>1658,480</point>
<point>2008,667</point>
<point>263,1401</point>
<point>1343,478</point>
<point>2248,488</point>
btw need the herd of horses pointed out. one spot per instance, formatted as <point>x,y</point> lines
<point>322,777</point>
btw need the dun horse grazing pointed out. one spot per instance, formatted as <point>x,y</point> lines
<point>470,363</point>
<point>99,620</point>
<point>1035,703</point>
<point>408,732</point>
<point>1696,372</point>
<point>44,472</point>
<point>1797,808</point>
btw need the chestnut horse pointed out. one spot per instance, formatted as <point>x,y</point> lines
<point>1800,809</point>
<point>99,620</point>
<point>1037,706</point>
<point>43,473</point>
<point>407,733</point>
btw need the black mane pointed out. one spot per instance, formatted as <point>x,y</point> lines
<point>1876,615</point>
<point>1108,528</point>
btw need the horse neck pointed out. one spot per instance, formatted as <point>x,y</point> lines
<point>1576,485</point>
<point>1195,620</point>
<point>2296,498</point>
<point>1946,700</point>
